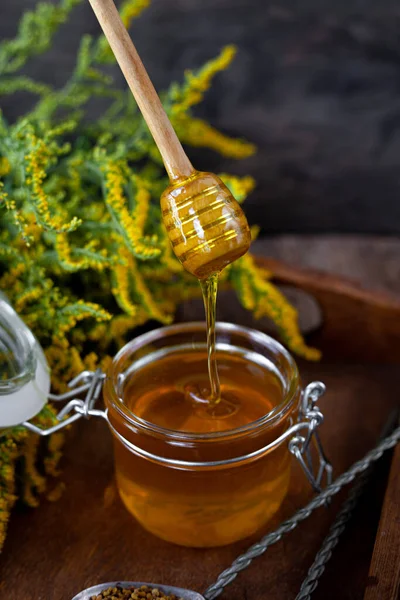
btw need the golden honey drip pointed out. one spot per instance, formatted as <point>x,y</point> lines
<point>208,230</point>
<point>209,288</point>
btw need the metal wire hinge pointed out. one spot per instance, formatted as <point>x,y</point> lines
<point>76,408</point>
<point>309,419</point>
<point>300,446</point>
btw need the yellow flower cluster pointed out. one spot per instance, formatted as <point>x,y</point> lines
<point>37,161</point>
<point>72,314</point>
<point>116,331</point>
<point>18,443</point>
<point>197,132</point>
<point>260,296</point>
<point>121,289</point>
<point>26,297</point>
<point>131,9</point>
<point>128,282</point>
<point>11,279</point>
<point>33,481</point>
<point>89,260</point>
<point>150,305</point>
<point>240,187</point>
<point>196,84</point>
<point>9,451</point>
<point>130,223</point>
<point>11,205</point>
<point>65,365</point>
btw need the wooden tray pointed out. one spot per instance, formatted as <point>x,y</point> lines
<point>384,574</point>
<point>87,537</point>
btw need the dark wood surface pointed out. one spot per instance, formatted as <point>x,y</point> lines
<point>87,537</point>
<point>384,573</point>
<point>344,307</point>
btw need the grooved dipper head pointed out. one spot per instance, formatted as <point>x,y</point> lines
<point>206,226</point>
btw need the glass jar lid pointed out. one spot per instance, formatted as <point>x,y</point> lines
<point>24,373</point>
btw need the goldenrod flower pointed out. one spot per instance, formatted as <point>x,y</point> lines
<point>199,133</point>
<point>264,299</point>
<point>196,84</point>
<point>37,161</point>
<point>240,187</point>
<point>130,224</point>
<point>131,9</point>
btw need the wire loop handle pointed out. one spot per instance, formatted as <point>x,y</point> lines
<point>92,384</point>
<point>300,434</point>
<point>300,447</point>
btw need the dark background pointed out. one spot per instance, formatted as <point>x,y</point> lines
<point>316,85</point>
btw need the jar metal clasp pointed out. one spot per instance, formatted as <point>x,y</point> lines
<point>300,445</point>
<point>88,382</point>
<point>301,435</point>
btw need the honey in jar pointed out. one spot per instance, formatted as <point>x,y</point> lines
<point>193,472</point>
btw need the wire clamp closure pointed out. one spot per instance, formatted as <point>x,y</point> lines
<point>309,419</point>
<point>76,408</point>
<point>300,446</point>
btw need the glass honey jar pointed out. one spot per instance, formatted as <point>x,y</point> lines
<point>190,477</point>
<point>190,473</point>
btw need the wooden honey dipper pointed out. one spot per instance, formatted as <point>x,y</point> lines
<point>206,226</point>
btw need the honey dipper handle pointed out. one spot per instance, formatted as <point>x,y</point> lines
<point>175,160</point>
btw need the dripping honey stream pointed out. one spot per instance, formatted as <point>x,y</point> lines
<point>205,225</point>
<point>209,288</point>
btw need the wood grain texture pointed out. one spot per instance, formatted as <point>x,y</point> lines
<point>384,574</point>
<point>371,261</point>
<point>175,160</point>
<point>373,317</point>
